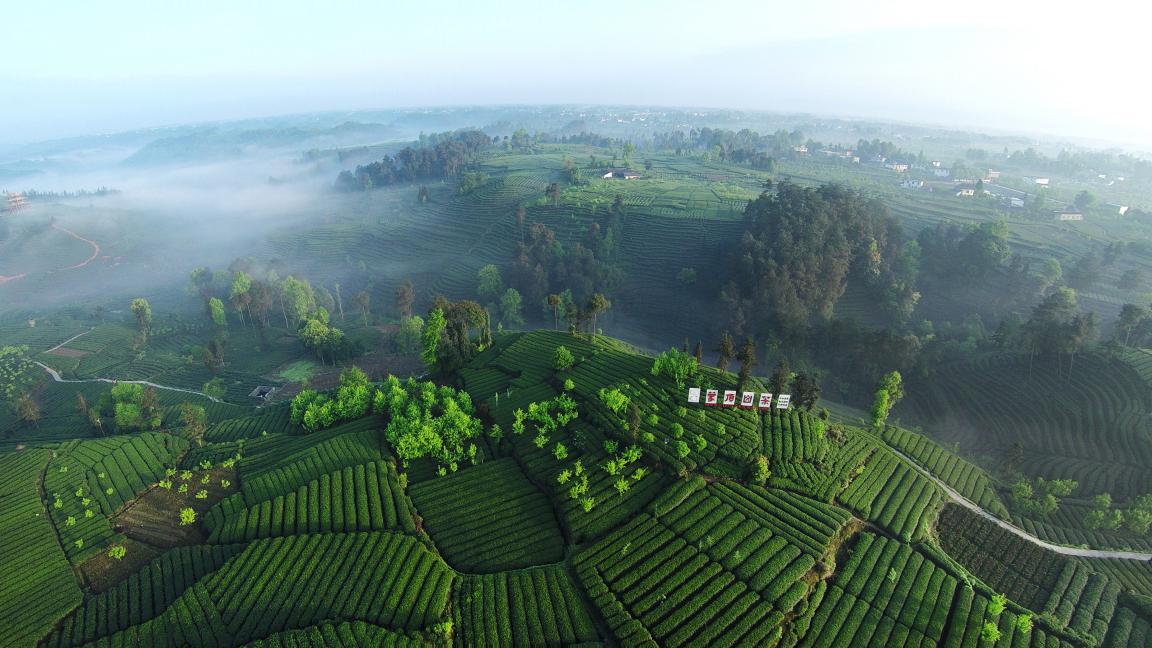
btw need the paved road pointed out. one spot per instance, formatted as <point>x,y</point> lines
<point>56,376</point>
<point>1060,549</point>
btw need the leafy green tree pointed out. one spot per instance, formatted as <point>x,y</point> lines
<point>1024,623</point>
<point>890,392</point>
<point>195,422</point>
<point>354,395</point>
<point>143,312</point>
<point>239,294</point>
<point>408,335</point>
<point>616,400</point>
<point>297,300</point>
<point>510,308</point>
<point>762,471</point>
<point>431,337</point>
<point>214,388</point>
<point>563,359</point>
<point>997,605</point>
<point>117,552</point>
<point>491,285</point>
<point>990,632</point>
<point>682,450</point>
<point>675,364</point>
<point>554,302</point>
<point>1138,519</point>
<point>187,516</point>
<point>16,371</point>
<point>216,310</point>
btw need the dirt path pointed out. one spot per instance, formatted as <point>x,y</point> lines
<point>56,376</point>
<point>1060,549</point>
<point>94,244</point>
<point>95,254</point>
<point>68,340</point>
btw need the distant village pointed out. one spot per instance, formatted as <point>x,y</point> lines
<point>935,177</point>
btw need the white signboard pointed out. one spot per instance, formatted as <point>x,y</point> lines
<point>694,395</point>
<point>766,400</point>
<point>783,400</point>
<point>711,397</point>
<point>748,400</point>
<point>729,398</point>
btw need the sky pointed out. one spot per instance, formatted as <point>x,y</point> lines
<point>72,67</point>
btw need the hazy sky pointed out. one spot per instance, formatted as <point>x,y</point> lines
<point>71,67</point>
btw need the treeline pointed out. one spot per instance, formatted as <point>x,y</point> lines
<point>33,194</point>
<point>1073,163</point>
<point>441,156</point>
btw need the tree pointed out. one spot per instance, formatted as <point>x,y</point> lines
<point>997,604</point>
<point>1131,315</point>
<point>216,310</point>
<point>675,364</point>
<point>409,334</point>
<point>1024,623</point>
<point>1101,515</point>
<point>781,377</point>
<point>363,300</point>
<point>239,294</point>
<point>1084,200</point>
<point>297,300</point>
<point>405,298</point>
<point>890,392</point>
<point>339,302</point>
<point>747,361</point>
<point>552,192</point>
<point>990,632</point>
<point>510,308</point>
<point>805,390</point>
<point>430,339</point>
<point>726,351</point>
<point>27,409</point>
<point>143,312</point>
<point>187,516</point>
<point>1139,518</point>
<point>490,285</point>
<point>554,301</point>
<point>762,470</point>
<point>597,304</point>
<point>195,422</point>
<point>563,359</point>
<point>698,353</point>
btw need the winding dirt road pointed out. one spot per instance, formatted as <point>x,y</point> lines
<point>90,259</point>
<point>56,377</point>
<point>1060,549</point>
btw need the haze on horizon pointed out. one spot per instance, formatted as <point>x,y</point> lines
<point>77,68</point>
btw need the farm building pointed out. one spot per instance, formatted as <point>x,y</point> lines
<point>941,173</point>
<point>263,392</point>
<point>16,202</point>
<point>898,167</point>
<point>1068,215</point>
<point>623,174</point>
<point>1043,182</point>
<point>912,184</point>
<point>936,164</point>
<point>800,149</point>
<point>991,176</point>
